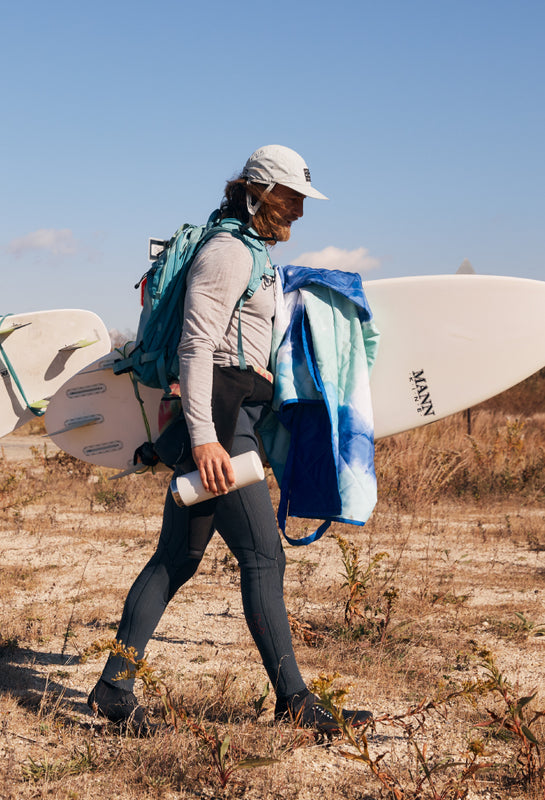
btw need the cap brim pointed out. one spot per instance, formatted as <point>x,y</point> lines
<point>315,194</point>
<point>307,191</point>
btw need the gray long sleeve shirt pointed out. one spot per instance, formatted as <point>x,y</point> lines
<point>216,281</point>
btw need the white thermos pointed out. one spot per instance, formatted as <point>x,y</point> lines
<point>188,489</point>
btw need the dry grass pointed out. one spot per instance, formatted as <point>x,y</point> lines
<point>433,614</point>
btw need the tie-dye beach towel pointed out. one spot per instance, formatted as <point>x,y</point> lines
<point>319,436</point>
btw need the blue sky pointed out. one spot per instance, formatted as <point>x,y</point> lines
<point>422,120</point>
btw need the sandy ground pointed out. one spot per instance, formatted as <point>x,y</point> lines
<point>19,448</point>
<point>463,575</point>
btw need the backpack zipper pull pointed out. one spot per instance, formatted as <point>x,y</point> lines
<point>144,276</point>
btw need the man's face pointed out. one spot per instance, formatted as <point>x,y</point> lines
<point>291,207</point>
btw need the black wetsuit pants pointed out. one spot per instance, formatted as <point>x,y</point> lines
<point>245,519</point>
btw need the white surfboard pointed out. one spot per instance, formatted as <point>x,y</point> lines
<point>447,342</point>
<point>39,351</point>
<point>97,417</point>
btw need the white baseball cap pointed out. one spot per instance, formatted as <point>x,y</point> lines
<point>274,164</point>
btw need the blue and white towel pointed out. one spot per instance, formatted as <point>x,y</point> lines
<point>319,436</point>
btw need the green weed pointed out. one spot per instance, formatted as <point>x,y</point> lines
<point>222,756</point>
<point>82,760</point>
<point>110,496</point>
<point>449,777</point>
<point>362,617</point>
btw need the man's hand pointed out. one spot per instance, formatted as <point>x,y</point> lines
<point>214,466</point>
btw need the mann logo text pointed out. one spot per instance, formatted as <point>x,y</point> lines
<point>421,393</point>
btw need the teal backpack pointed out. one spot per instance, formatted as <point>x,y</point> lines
<point>154,359</point>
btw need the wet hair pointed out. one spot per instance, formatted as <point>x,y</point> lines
<point>269,221</point>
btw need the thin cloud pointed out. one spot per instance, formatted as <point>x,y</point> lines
<point>357,260</point>
<point>60,242</point>
<point>119,338</point>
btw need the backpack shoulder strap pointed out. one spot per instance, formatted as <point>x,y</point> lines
<point>261,264</point>
<point>256,245</point>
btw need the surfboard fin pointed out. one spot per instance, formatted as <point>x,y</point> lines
<point>5,331</point>
<point>104,366</point>
<point>78,422</point>
<point>78,345</point>
<point>135,469</point>
<point>109,361</point>
<point>39,406</point>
